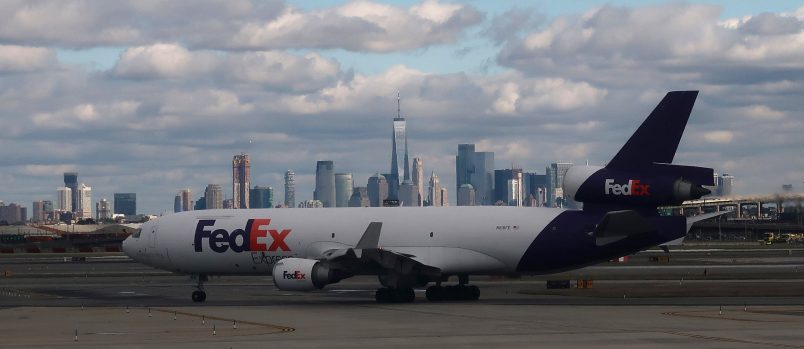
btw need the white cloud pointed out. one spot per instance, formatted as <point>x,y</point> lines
<point>719,137</point>
<point>46,170</point>
<point>673,43</point>
<point>87,115</point>
<point>25,59</point>
<point>560,95</point>
<point>280,70</point>
<point>209,102</point>
<point>163,61</point>
<point>761,113</point>
<point>235,24</point>
<point>358,26</point>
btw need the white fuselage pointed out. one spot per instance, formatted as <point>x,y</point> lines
<point>465,240</point>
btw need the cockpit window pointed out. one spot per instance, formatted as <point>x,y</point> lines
<point>136,233</point>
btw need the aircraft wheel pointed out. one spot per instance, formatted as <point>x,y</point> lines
<point>435,293</point>
<point>199,296</point>
<point>383,295</point>
<point>405,295</point>
<point>474,292</point>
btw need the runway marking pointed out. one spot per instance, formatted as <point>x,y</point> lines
<point>707,314</point>
<point>14,292</point>
<point>732,340</point>
<point>212,317</point>
<point>717,317</point>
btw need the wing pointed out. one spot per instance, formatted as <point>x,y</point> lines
<point>366,258</point>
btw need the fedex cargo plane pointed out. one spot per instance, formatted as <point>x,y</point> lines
<point>413,247</point>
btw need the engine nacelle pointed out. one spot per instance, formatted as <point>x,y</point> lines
<point>663,184</point>
<point>301,274</point>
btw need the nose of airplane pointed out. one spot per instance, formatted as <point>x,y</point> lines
<point>126,246</point>
<point>130,244</point>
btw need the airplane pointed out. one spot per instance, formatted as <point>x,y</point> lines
<point>413,247</point>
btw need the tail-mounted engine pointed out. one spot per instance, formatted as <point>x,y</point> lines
<point>656,185</point>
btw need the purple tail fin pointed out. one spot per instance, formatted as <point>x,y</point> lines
<point>656,140</point>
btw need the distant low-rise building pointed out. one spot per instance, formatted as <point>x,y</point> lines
<point>311,204</point>
<point>13,213</point>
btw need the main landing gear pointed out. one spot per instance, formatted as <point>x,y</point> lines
<point>199,295</point>
<point>461,292</point>
<point>395,295</point>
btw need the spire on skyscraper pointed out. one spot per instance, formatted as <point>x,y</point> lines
<point>400,167</point>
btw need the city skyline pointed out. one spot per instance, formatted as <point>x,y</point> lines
<point>166,107</point>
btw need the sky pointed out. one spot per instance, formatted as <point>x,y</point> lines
<point>152,97</point>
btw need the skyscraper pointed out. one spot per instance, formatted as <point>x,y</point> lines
<point>200,204</point>
<point>408,194</point>
<point>290,189</point>
<point>65,199</point>
<point>84,202</point>
<point>444,197</point>
<point>477,169</point>
<point>71,181</point>
<point>466,195</point>
<point>177,203</point>
<point>501,178</point>
<point>186,200</point>
<point>262,197</point>
<point>213,197</point>
<point>377,190</point>
<point>536,185</point>
<point>434,196</point>
<point>102,210</point>
<point>125,203</point>
<point>399,153</point>
<point>343,189</point>
<point>38,214</point>
<point>559,169</point>
<point>724,185</point>
<point>514,190</point>
<point>325,183</point>
<point>360,198</point>
<point>550,196</point>
<point>241,180</point>
<point>418,178</point>
<point>464,164</point>
<point>47,206</point>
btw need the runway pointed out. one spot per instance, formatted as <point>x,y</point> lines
<point>111,301</point>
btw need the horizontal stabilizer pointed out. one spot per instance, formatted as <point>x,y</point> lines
<point>694,174</point>
<point>694,219</point>
<point>617,225</point>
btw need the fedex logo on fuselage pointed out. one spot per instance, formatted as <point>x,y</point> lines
<point>633,188</point>
<point>252,238</point>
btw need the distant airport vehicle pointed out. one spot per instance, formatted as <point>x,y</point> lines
<point>411,247</point>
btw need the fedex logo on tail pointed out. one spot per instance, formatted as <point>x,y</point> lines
<point>254,237</point>
<point>633,188</point>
